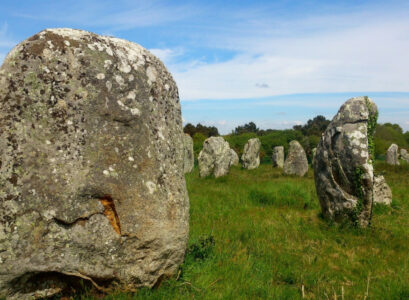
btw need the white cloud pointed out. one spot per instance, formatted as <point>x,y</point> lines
<point>342,54</point>
<point>167,55</point>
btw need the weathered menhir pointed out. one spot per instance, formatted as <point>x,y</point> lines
<point>91,180</point>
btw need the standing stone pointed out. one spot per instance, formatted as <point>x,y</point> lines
<point>343,167</point>
<point>188,158</point>
<point>234,158</point>
<point>91,178</point>
<point>215,157</point>
<point>381,191</point>
<point>296,162</point>
<point>251,154</point>
<point>278,157</point>
<point>392,155</point>
<point>314,152</point>
<point>404,155</point>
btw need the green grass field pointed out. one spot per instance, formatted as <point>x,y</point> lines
<point>259,235</point>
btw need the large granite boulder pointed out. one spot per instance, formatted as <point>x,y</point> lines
<point>215,157</point>
<point>91,178</point>
<point>188,158</point>
<point>234,158</point>
<point>296,162</point>
<point>278,157</point>
<point>382,193</point>
<point>251,154</point>
<point>404,155</point>
<point>343,169</point>
<point>392,155</point>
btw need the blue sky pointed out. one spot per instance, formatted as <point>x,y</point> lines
<point>277,63</point>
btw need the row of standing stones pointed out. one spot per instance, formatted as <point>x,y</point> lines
<point>92,166</point>
<point>393,155</point>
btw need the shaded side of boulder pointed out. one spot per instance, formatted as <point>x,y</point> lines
<point>343,169</point>
<point>91,175</point>
<point>392,155</point>
<point>188,158</point>
<point>382,192</point>
<point>404,155</point>
<point>278,157</point>
<point>234,158</point>
<point>215,157</point>
<point>296,162</point>
<point>251,154</point>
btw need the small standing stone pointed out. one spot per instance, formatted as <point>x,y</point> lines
<point>392,155</point>
<point>296,162</point>
<point>234,158</point>
<point>188,157</point>
<point>251,154</point>
<point>404,155</point>
<point>314,152</point>
<point>278,157</point>
<point>382,193</point>
<point>215,157</point>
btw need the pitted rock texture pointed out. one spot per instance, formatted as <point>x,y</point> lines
<point>381,190</point>
<point>234,158</point>
<point>251,154</point>
<point>296,162</point>
<point>215,157</point>
<point>188,158</point>
<point>343,168</point>
<point>404,155</point>
<point>278,157</point>
<point>91,178</point>
<point>392,155</point>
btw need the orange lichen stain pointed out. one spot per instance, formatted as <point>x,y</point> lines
<point>110,213</point>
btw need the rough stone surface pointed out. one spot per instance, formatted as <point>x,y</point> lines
<point>234,158</point>
<point>343,168</point>
<point>215,157</point>
<point>392,155</point>
<point>381,190</point>
<point>91,177</point>
<point>404,155</point>
<point>251,154</point>
<point>296,162</point>
<point>189,158</point>
<point>278,157</point>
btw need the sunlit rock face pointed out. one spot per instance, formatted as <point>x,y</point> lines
<point>296,162</point>
<point>251,154</point>
<point>215,158</point>
<point>278,157</point>
<point>91,177</point>
<point>392,155</point>
<point>382,192</point>
<point>343,169</point>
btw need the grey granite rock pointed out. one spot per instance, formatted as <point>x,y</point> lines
<point>91,178</point>
<point>234,158</point>
<point>296,162</point>
<point>343,169</point>
<point>382,192</point>
<point>188,158</point>
<point>278,157</point>
<point>392,155</point>
<point>251,154</point>
<point>215,157</point>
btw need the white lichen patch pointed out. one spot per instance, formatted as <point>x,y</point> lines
<point>130,158</point>
<point>125,68</point>
<point>107,63</point>
<point>119,79</point>
<point>108,84</point>
<point>131,78</point>
<point>131,95</point>
<point>100,76</point>
<point>151,187</point>
<point>105,172</point>
<point>167,87</point>
<point>67,43</point>
<point>152,74</point>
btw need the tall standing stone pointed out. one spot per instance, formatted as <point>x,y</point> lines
<point>392,155</point>
<point>296,162</point>
<point>343,169</point>
<point>278,157</point>
<point>215,157</point>
<point>188,158</point>
<point>251,154</point>
<point>404,155</point>
<point>91,178</point>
